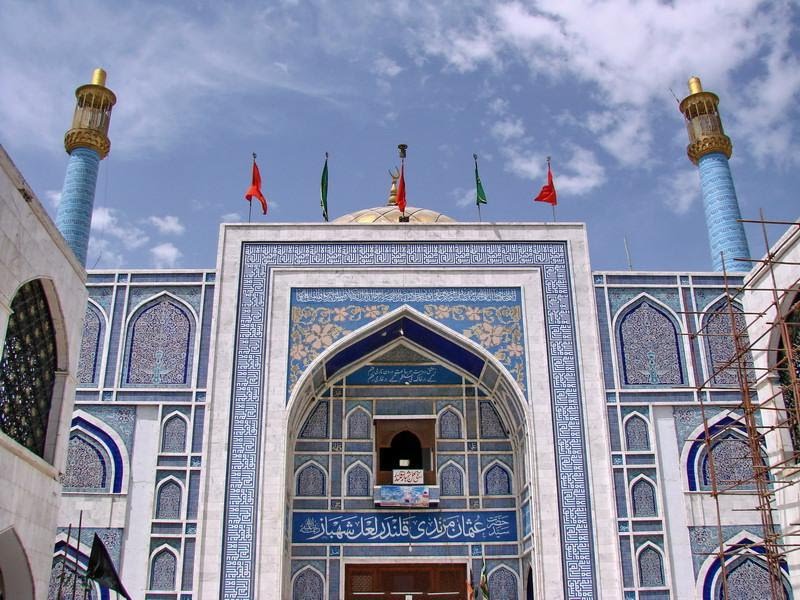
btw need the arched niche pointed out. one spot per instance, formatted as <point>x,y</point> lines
<point>321,409</point>
<point>746,572</point>
<point>109,448</point>
<point>731,455</point>
<point>93,341</point>
<point>159,343</point>
<point>649,348</point>
<point>719,343</point>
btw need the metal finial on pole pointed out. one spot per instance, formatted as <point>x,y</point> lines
<point>402,149</point>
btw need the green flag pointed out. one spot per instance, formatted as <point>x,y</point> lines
<point>323,190</point>
<point>480,195</point>
<point>484,582</point>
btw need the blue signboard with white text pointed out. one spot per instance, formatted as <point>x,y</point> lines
<point>404,527</point>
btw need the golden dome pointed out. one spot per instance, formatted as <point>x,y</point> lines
<point>391,214</point>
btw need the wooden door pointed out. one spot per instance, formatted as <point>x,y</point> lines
<point>406,581</point>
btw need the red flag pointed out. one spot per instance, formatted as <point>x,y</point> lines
<point>548,193</point>
<point>255,189</point>
<point>401,190</point>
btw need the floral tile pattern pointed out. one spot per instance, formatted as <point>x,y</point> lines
<point>492,317</point>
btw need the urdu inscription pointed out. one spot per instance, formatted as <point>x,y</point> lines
<point>383,527</point>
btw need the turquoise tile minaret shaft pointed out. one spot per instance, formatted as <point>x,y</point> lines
<point>87,144</point>
<point>709,148</point>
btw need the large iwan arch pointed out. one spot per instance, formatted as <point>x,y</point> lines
<point>346,378</point>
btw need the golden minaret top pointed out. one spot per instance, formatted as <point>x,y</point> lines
<point>703,123</point>
<point>92,116</point>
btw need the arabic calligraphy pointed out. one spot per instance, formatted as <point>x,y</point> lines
<point>480,526</point>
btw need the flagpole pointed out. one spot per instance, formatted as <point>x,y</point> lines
<point>64,564</point>
<point>553,206</point>
<point>78,549</point>
<point>627,253</point>
<point>250,202</point>
<point>477,189</point>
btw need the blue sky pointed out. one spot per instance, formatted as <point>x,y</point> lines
<point>202,85</point>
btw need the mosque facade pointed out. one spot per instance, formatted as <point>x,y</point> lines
<point>387,408</point>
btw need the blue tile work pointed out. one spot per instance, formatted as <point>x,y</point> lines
<point>686,296</point>
<point>94,327</point>
<point>190,294</point>
<point>491,317</point>
<point>74,217</point>
<point>121,418</point>
<point>726,235</point>
<point>705,540</point>
<point>246,411</point>
<point>159,344</point>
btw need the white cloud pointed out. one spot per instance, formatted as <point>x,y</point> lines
<point>386,67</point>
<point>167,224</point>
<point>581,174</point>
<point>231,217</point>
<point>680,190</point>
<point>631,53</point>
<point>103,254</point>
<point>508,129</point>
<point>524,164</point>
<point>53,197</point>
<point>464,197</point>
<point>105,222</point>
<point>165,256</point>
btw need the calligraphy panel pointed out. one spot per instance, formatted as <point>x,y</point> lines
<point>404,527</point>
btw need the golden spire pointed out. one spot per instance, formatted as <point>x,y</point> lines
<point>92,116</point>
<point>395,175</point>
<point>703,123</point>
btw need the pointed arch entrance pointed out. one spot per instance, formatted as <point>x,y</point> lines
<point>416,381</point>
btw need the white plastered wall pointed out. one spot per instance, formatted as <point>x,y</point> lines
<point>31,248</point>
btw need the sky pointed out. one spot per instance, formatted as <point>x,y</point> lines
<point>591,83</point>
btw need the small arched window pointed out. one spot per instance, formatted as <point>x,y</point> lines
<point>503,584</point>
<point>173,437</point>
<point>637,437</point>
<point>643,496</point>
<point>359,425</point>
<point>451,481</point>
<point>311,481</point>
<point>163,571</point>
<point>651,568</point>
<point>168,501</point>
<point>308,585</point>
<point>449,425</point>
<point>358,481</point>
<point>497,481</point>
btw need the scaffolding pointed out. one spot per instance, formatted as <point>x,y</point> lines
<point>770,421</point>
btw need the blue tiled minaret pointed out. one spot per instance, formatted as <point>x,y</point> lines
<point>709,148</point>
<point>87,144</point>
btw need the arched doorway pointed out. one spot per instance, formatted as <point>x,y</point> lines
<point>406,466</point>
